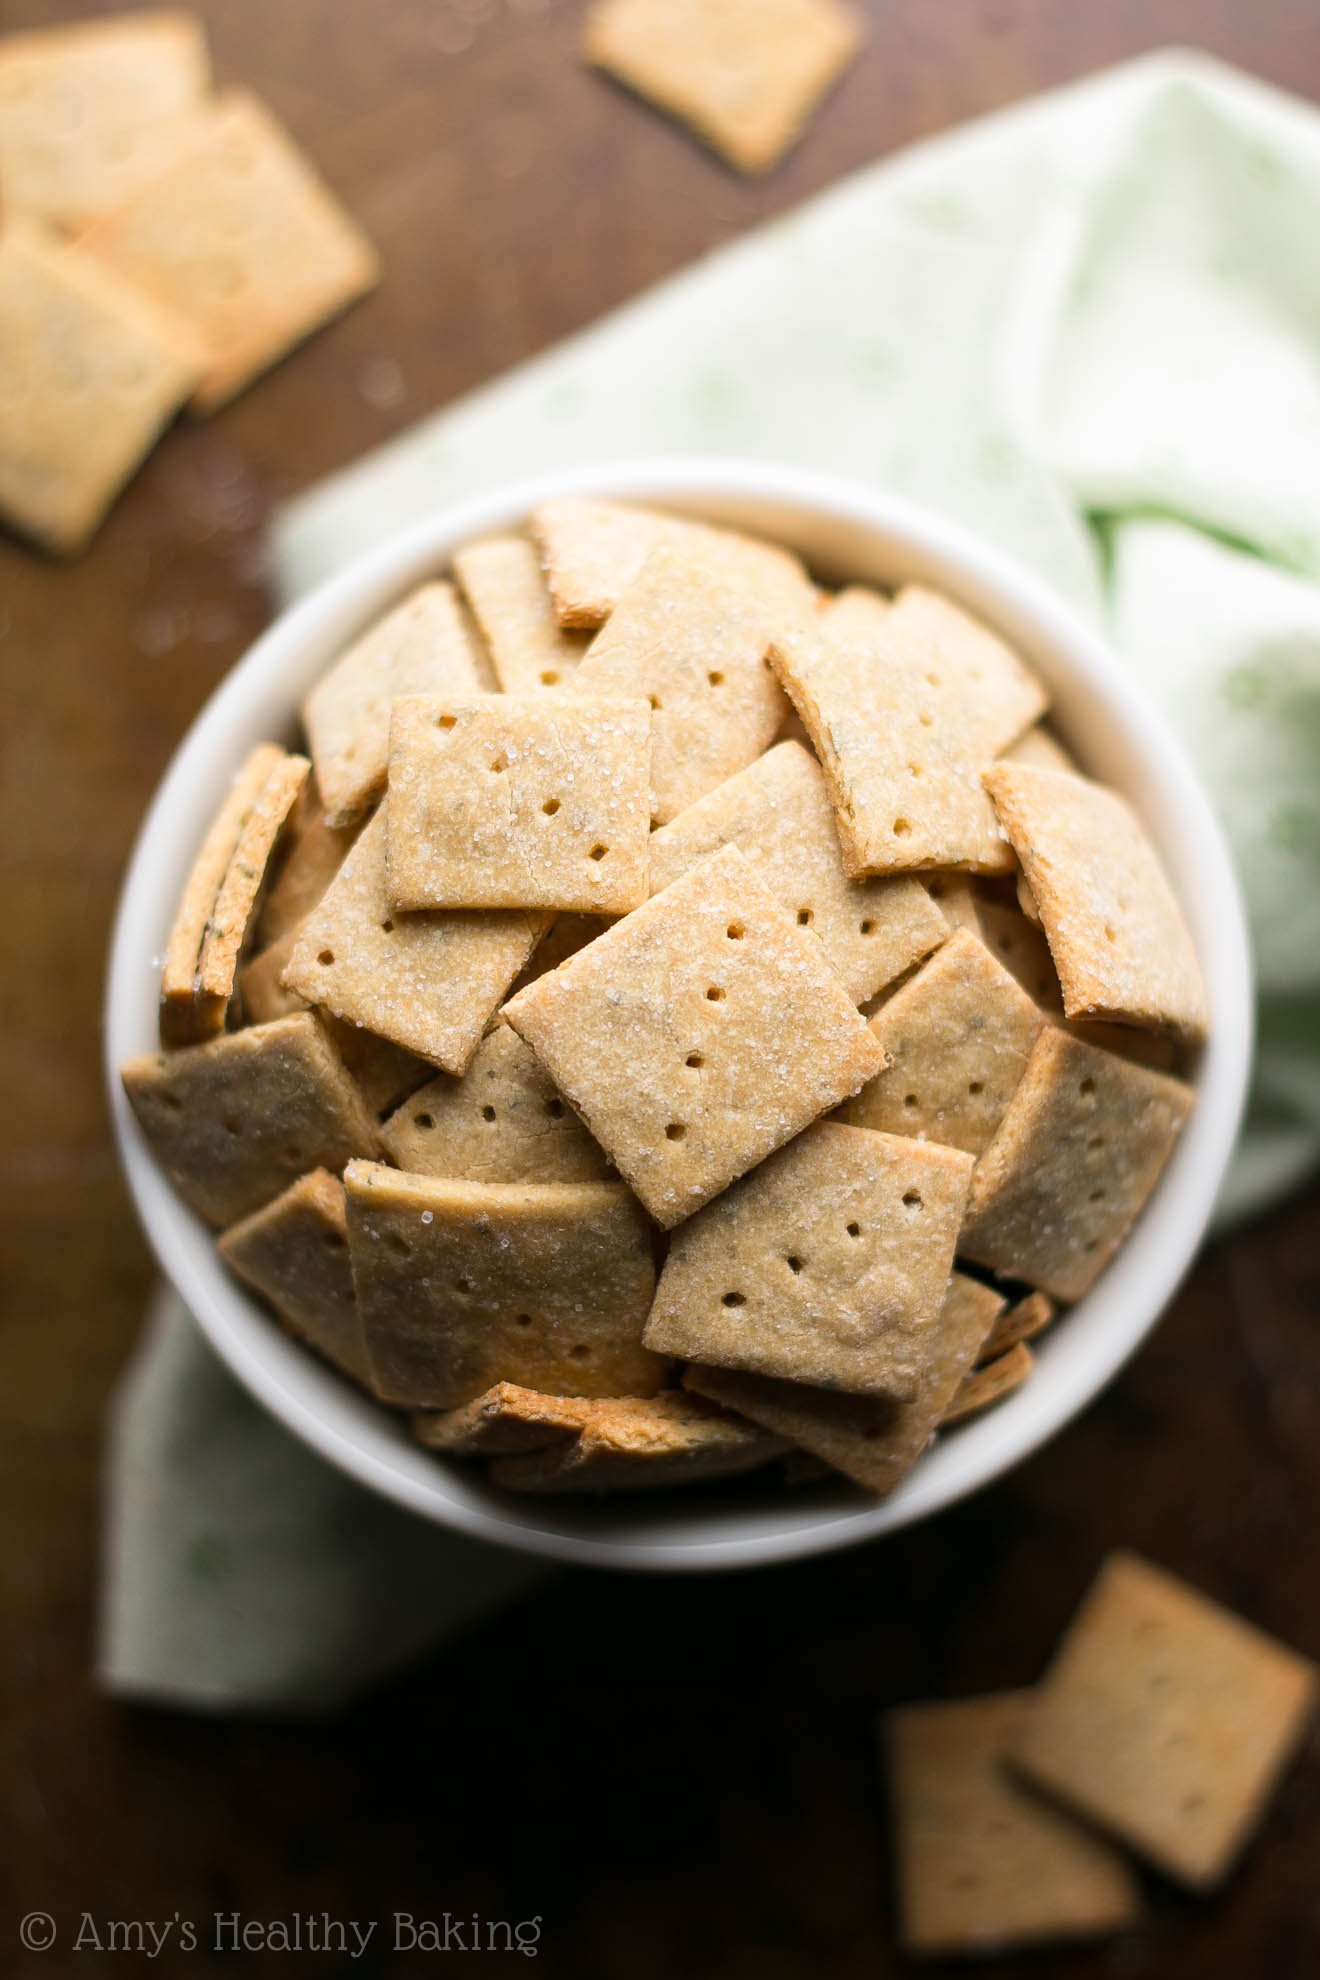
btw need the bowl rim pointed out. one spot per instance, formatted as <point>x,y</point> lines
<point>317,1407</point>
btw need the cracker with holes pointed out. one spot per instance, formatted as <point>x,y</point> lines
<point>697,1035</point>
<point>1165,1720</point>
<point>463,1284</point>
<point>429,982</point>
<point>503,1121</point>
<point>505,586</point>
<point>634,1445</point>
<point>1115,930</point>
<point>994,695</point>
<point>777,812</point>
<point>422,647</point>
<point>990,1382</point>
<point>90,372</point>
<point>984,1864</point>
<point>241,240</point>
<point>235,1121</point>
<point>294,1251</point>
<point>827,1265</point>
<point>957,1036</point>
<point>91,112</point>
<point>501,801</point>
<point>745,74</point>
<point>870,1439</point>
<point>904,776</point>
<point>594,551</point>
<point>693,646</point>
<point>1074,1159</point>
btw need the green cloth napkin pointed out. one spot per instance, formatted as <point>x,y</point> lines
<point>1088,328</point>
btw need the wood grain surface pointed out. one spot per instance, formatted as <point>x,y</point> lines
<point>678,1776</point>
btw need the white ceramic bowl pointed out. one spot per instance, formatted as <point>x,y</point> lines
<point>845,532</point>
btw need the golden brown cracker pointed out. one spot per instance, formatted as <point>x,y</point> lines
<point>1079,1150</point>
<point>310,855</point>
<point>777,812</point>
<point>261,992</point>
<point>463,1284</point>
<point>1119,942</point>
<point>994,693</point>
<point>294,1250</point>
<point>697,1035</point>
<point>503,1421</point>
<point>983,1865</point>
<point>383,1072</point>
<point>631,1445</point>
<point>955,897</point>
<point>1023,1321</point>
<point>1023,951</point>
<point>235,1121</point>
<point>1165,1720</point>
<point>505,586</point>
<point>429,982</point>
<point>241,240</point>
<point>233,916</point>
<point>1041,747</point>
<point>745,74</point>
<point>503,801</point>
<point>827,1265</point>
<point>989,1382</point>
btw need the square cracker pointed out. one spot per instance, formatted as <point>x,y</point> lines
<point>632,1445</point>
<point>745,74</point>
<point>827,1265</point>
<point>310,855</point>
<point>1115,930</point>
<point>235,1121</point>
<point>505,586</point>
<point>1165,1720</point>
<point>89,374</point>
<point>462,1284</point>
<point>697,1035</point>
<point>872,1440</point>
<point>295,1252</point>
<point>694,646</point>
<point>595,551</point>
<point>423,646</point>
<point>983,1865</point>
<point>995,695</point>
<point>777,812</point>
<point>903,776</point>
<point>503,1121</point>
<point>429,982</point>
<point>1079,1149</point>
<point>91,112</point>
<point>501,801</point>
<point>989,1382</point>
<point>241,239</point>
<point>957,1036</point>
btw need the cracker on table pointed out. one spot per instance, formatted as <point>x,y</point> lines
<point>506,801</point>
<point>694,646</point>
<point>89,374</point>
<point>233,916</point>
<point>827,1265</point>
<point>777,812</point>
<point>903,777</point>
<point>870,1439</point>
<point>1029,1316</point>
<point>633,1445</point>
<point>503,1121</point>
<point>1165,1720</point>
<point>995,694</point>
<point>1082,1144</point>
<point>310,855</point>
<point>235,1121</point>
<point>697,1035</point>
<point>423,646</point>
<point>957,1036</point>
<point>242,240</point>
<point>984,1865</point>
<point>463,1284</point>
<point>93,111</point>
<point>429,982</point>
<point>594,551</point>
<point>294,1250</point>
<point>181,1021</point>
<point>1115,930</point>
<point>989,1382</point>
<point>505,586</point>
<point>745,74</point>
<point>503,1421</point>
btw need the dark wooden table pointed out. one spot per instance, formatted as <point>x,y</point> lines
<point>678,1776</point>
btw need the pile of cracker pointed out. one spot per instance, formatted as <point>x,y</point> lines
<point>159,247</point>
<point>673,1016</point>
